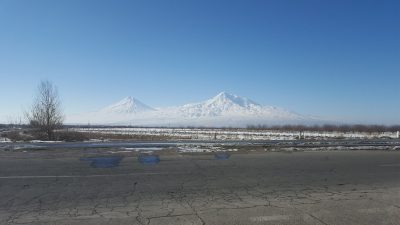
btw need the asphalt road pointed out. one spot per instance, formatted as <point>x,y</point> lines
<point>353,187</point>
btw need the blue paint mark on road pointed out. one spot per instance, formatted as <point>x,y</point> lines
<point>148,159</point>
<point>103,162</point>
<point>222,156</point>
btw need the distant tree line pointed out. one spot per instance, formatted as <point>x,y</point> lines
<point>319,128</point>
<point>330,128</point>
<point>12,125</point>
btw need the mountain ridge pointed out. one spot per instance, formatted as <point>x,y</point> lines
<point>224,109</point>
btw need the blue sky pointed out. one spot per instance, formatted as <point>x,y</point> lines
<point>334,59</point>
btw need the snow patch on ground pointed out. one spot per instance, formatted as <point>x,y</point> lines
<point>204,148</point>
<point>40,141</point>
<point>333,148</point>
<point>5,140</point>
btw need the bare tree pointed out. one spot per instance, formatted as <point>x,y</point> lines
<point>46,114</point>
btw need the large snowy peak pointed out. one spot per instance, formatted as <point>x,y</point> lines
<point>227,100</point>
<point>127,105</point>
<point>222,104</point>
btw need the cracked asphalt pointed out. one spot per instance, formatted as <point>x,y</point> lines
<point>333,187</point>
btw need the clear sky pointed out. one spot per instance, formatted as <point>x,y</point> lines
<point>335,59</point>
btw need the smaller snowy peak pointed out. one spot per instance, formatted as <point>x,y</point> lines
<point>128,105</point>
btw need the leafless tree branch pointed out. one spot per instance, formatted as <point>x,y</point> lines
<point>46,114</point>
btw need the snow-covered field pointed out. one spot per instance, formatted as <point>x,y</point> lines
<point>233,134</point>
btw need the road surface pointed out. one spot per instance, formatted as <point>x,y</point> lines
<point>334,187</point>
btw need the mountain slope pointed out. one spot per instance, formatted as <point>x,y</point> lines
<point>222,110</point>
<point>222,104</point>
<point>127,105</point>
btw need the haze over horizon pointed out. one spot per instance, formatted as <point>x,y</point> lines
<point>337,60</point>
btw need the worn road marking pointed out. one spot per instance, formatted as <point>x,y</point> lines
<point>379,210</point>
<point>370,210</point>
<point>269,218</point>
<point>85,176</point>
<point>394,165</point>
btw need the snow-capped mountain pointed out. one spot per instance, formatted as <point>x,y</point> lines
<point>222,110</point>
<point>222,104</point>
<point>127,105</point>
